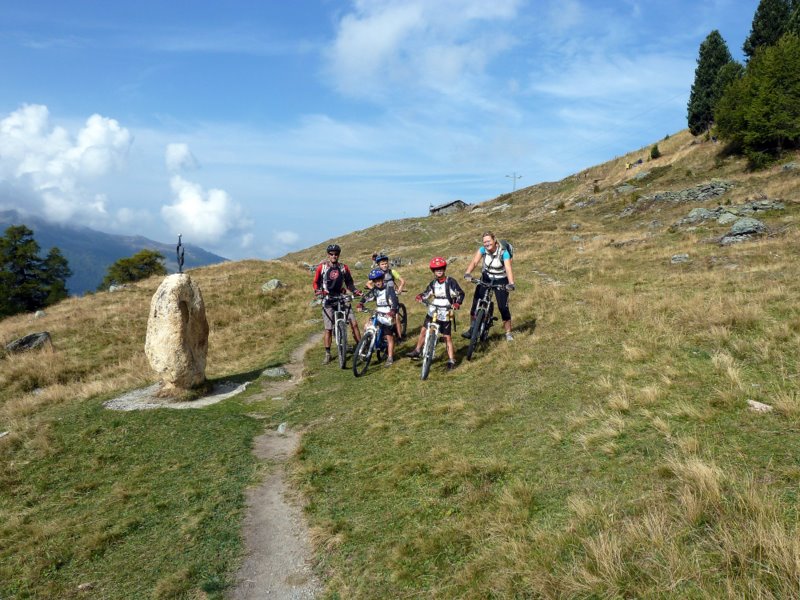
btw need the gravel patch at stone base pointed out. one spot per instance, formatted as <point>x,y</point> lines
<point>148,399</point>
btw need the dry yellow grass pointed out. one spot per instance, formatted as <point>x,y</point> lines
<point>99,339</point>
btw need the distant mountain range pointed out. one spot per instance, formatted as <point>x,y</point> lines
<point>90,252</point>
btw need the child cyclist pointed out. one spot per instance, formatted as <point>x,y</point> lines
<point>391,279</point>
<point>446,294</point>
<point>386,306</point>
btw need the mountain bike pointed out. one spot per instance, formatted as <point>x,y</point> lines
<point>341,319</point>
<point>431,337</point>
<point>484,318</point>
<point>372,342</point>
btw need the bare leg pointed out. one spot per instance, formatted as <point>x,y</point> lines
<point>448,340</point>
<point>356,332</point>
<point>390,342</point>
<point>421,339</point>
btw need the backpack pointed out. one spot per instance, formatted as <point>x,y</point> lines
<point>508,247</point>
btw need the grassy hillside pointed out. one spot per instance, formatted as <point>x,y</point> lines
<point>609,451</point>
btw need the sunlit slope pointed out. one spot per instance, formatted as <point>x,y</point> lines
<point>610,450</point>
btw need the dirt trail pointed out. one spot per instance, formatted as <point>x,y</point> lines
<point>277,562</point>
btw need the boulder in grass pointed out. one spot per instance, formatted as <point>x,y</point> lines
<point>33,341</point>
<point>177,333</point>
<point>743,229</point>
<point>272,284</point>
<point>679,258</point>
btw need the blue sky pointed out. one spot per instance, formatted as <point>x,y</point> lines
<point>256,128</point>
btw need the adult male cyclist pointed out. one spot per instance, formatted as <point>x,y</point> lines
<point>330,280</point>
<point>497,270</point>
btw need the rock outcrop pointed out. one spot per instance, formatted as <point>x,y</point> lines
<point>33,341</point>
<point>177,333</point>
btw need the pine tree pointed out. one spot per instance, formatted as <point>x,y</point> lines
<point>769,24</point>
<point>20,268</point>
<point>55,271</point>
<point>793,24</point>
<point>713,55</point>
<point>759,114</point>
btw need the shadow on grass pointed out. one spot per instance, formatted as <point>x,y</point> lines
<point>246,376</point>
<point>497,334</point>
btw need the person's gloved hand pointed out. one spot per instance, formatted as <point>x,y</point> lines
<point>391,314</point>
<point>511,287</point>
<point>467,276</point>
<point>456,305</point>
<point>418,297</point>
<point>360,306</point>
<point>358,293</point>
<point>319,293</point>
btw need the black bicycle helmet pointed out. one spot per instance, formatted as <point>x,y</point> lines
<point>334,248</point>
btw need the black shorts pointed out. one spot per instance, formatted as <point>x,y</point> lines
<point>445,327</point>
<point>387,329</point>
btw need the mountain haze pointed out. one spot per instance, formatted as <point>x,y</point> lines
<point>90,252</point>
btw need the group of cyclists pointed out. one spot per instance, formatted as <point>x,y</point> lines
<point>333,278</point>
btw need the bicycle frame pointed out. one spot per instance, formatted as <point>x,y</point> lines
<point>431,338</point>
<point>484,314</point>
<point>373,333</point>
<point>341,314</point>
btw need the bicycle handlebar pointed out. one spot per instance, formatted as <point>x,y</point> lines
<point>494,286</point>
<point>338,298</point>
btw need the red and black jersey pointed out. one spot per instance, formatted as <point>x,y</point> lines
<point>333,278</point>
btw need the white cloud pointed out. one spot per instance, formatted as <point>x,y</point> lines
<point>287,238</point>
<point>55,168</point>
<point>618,76</point>
<point>202,217</point>
<point>416,45</point>
<point>178,158</point>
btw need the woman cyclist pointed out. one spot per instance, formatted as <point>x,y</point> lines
<point>496,269</point>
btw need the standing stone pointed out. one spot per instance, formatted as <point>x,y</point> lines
<point>177,333</point>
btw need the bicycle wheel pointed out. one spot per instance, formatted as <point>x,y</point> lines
<point>427,355</point>
<point>490,319</point>
<point>341,343</point>
<point>402,314</point>
<point>477,327</point>
<point>363,354</point>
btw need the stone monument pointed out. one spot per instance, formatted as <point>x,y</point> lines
<point>177,334</point>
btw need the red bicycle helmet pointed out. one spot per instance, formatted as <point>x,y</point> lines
<point>438,262</point>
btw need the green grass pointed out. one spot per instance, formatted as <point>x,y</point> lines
<point>134,503</point>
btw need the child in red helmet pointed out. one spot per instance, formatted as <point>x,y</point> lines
<point>446,294</point>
